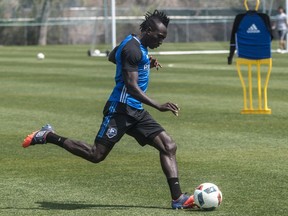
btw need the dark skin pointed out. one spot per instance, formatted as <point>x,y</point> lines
<point>151,38</point>
<point>162,142</point>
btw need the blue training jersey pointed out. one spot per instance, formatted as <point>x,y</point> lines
<point>130,56</point>
<point>251,35</point>
<point>253,39</point>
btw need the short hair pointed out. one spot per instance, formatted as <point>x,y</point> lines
<point>281,8</point>
<point>152,18</point>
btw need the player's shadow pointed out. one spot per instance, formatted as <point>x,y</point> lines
<point>81,205</point>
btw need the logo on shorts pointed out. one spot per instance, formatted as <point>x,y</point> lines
<point>111,132</point>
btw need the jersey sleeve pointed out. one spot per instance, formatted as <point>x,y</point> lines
<point>236,24</point>
<point>267,22</point>
<point>112,57</point>
<point>131,56</point>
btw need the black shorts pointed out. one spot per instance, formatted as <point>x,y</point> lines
<point>282,34</point>
<point>120,119</point>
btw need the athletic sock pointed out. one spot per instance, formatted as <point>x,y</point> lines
<point>55,139</point>
<point>174,188</point>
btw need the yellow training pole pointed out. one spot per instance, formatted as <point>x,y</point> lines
<point>259,86</point>
<point>256,7</point>
<point>243,85</point>
<point>250,86</point>
<point>269,62</point>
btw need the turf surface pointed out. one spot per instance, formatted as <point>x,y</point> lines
<point>245,155</point>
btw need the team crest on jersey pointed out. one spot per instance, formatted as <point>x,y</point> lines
<point>111,132</point>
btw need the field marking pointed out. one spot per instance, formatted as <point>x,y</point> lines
<point>192,52</point>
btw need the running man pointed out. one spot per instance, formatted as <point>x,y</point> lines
<point>124,113</point>
<point>281,27</point>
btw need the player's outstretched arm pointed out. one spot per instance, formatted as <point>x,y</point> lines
<point>130,79</point>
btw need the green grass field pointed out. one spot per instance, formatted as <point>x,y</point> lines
<point>245,155</point>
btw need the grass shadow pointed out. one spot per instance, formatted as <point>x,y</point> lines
<point>81,205</point>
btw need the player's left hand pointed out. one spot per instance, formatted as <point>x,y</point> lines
<point>154,63</point>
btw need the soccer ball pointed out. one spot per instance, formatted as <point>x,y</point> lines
<point>40,56</point>
<point>207,196</point>
<point>96,52</point>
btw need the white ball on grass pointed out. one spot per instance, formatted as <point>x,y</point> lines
<point>207,196</point>
<point>40,56</point>
<point>97,52</point>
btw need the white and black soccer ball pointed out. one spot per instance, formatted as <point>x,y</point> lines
<point>207,196</point>
<point>40,56</point>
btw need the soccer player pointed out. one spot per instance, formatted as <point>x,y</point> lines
<point>124,113</point>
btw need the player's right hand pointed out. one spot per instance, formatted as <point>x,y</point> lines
<point>169,107</point>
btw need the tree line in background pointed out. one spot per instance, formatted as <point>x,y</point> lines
<point>38,11</point>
